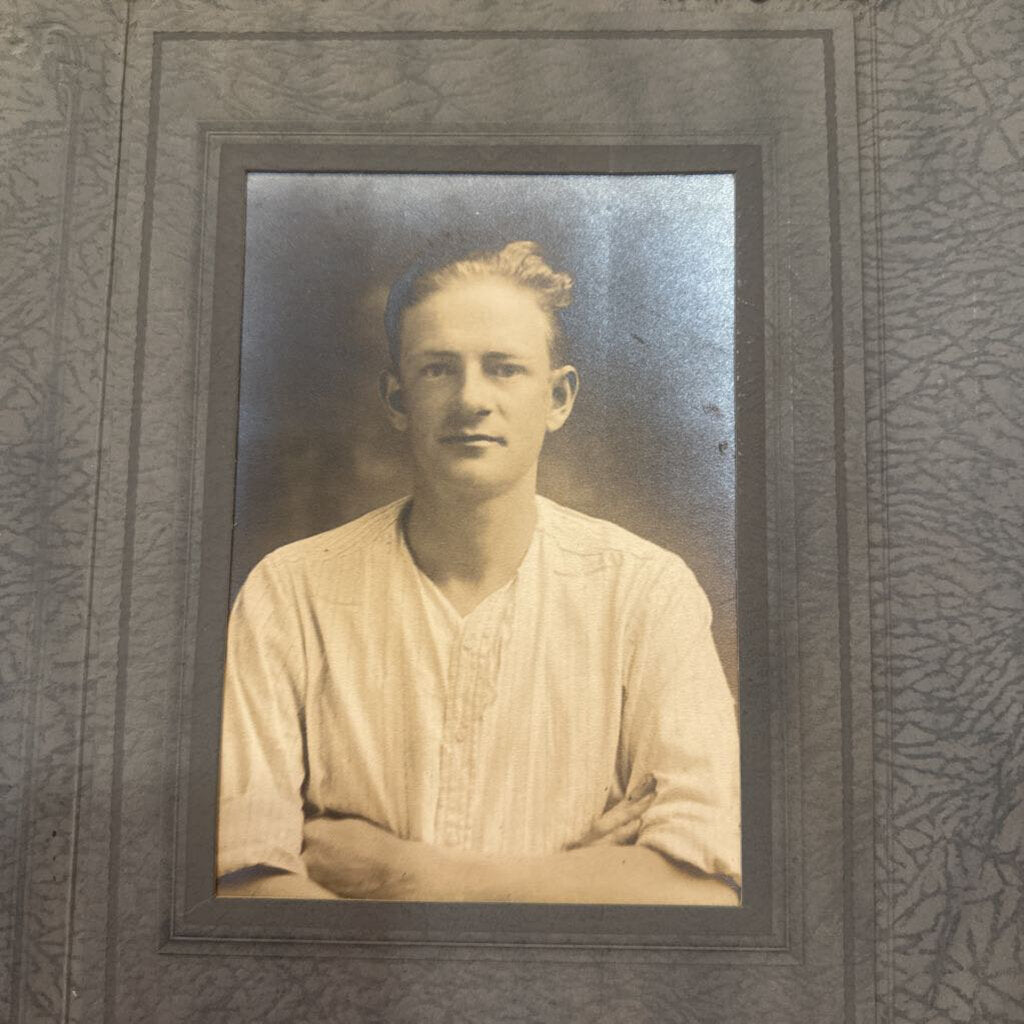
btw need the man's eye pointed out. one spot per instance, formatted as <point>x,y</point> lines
<point>509,369</point>
<point>434,369</point>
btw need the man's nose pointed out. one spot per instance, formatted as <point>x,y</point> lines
<point>474,391</point>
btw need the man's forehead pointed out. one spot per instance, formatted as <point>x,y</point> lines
<point>456,353</point>
<point>487,316</point>
<point>478,298</point>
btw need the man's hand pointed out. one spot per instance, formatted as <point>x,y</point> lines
<point>260,882</point>
<point>620,825</point>
<point>359,860</point>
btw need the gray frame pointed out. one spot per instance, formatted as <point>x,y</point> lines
<point>81,847</point>
<point>811,633</point>
<point>192,85</point>
<point>444,928</point>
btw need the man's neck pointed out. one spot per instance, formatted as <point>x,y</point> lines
<point>471,547</point>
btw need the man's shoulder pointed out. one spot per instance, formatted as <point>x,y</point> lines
<point>654,578</point>
<point>587,536</point>
<point>373,532</point>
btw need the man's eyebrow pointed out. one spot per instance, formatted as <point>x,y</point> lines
<point>435,353</point>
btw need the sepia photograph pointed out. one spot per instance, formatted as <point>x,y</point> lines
<point>483,635</point>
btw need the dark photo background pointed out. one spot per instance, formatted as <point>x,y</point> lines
<point>650,444</point>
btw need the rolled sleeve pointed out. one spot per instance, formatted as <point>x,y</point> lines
<point>262,765</point>
<point>679,723</point>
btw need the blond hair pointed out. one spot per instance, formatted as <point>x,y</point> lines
<point>522,263</point>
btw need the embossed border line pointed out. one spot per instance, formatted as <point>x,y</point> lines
<point>61,51</point>
<point>826,37</point>
<point>75,70</point>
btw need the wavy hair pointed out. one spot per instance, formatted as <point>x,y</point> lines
<point>522,263</point>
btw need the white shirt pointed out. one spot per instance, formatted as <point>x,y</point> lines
<point>353,686</point>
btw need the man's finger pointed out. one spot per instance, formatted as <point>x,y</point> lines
<point>623,812</point>
<point>625,833</point>
<point>647,785</point>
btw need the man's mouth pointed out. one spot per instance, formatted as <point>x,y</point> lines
<point>473,439</point>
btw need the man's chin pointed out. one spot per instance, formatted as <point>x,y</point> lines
<point>474,483</point>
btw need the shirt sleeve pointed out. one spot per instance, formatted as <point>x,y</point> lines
<point>679,723</point>
<point>262,763</point>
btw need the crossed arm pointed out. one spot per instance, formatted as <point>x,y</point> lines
<point>352,858</point>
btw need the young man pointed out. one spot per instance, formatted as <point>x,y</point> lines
<point>475,693</point>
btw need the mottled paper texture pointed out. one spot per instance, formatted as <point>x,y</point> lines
<point>85,736</point>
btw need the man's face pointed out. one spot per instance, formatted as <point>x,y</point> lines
<point>475,390</point>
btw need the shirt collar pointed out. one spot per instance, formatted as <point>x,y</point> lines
<point>427,587</point>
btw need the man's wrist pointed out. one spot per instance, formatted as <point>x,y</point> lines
<point>429,872</point>
<point>411,868</point>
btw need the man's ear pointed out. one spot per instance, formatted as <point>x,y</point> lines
<point>565,386</point>
<point>390,389</point>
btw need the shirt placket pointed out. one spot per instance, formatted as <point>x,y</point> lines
<point>468,679</point>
